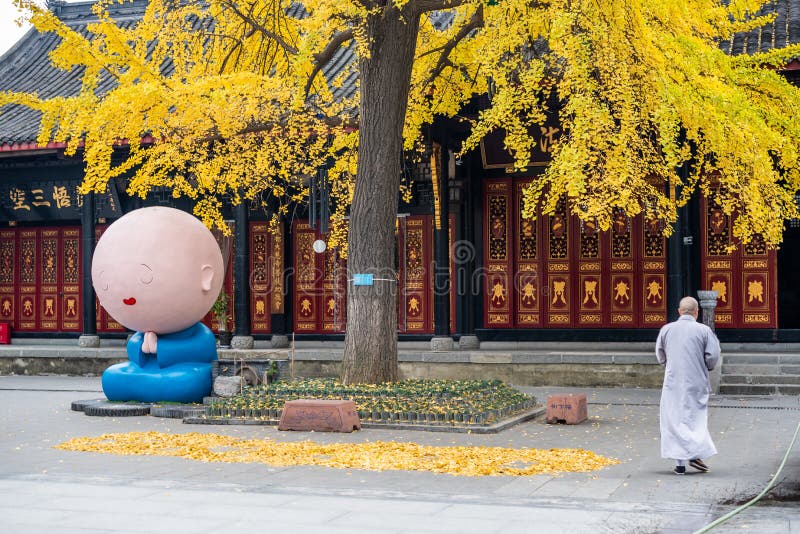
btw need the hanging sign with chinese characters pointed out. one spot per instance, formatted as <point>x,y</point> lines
<point>51,200</point>
<point>494,155</point>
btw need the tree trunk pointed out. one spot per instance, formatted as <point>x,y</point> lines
<point>370,346</point>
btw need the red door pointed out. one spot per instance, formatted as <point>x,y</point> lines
<point>744,278</point>
<point>40,286</point>
<point>556,271</point>
<point>320,284</point>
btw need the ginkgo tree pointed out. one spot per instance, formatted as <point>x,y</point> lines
<point>221,99</point>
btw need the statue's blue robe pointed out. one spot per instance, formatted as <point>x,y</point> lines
<point>180,371</point>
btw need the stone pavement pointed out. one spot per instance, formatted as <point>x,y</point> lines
<point>47,490</point>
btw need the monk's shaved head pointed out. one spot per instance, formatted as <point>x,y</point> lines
<point>688,305</point>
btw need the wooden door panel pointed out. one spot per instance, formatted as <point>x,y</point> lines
<point>261,280</point>
<point>744,277</point>
<point>9,272</point>
<point>71,282</point>
<point>498,247</point>
<point>320,284</point>
<point>415,276</point>
<point>557,271</point>
<point>528,286</point>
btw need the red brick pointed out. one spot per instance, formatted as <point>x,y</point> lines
<point>569,409</point>
<point>320,415</point>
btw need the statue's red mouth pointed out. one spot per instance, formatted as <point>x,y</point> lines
<point>130,302</point>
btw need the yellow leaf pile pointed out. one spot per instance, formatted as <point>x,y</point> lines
<point>372,456</point>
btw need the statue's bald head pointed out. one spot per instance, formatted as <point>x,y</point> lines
<point>688,306</point>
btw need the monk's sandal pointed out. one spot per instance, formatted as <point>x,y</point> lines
<point>699,464</point>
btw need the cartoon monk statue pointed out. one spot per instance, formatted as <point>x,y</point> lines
<point>158,270</point>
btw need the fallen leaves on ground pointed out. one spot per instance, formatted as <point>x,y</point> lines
<point>372,456</point>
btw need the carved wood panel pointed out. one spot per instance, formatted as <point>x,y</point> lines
<point>71,283</point>
<point>9,272</point>
<point>527,280</point>
<point>744,276</point>
<point>622,275</point>
<point>320,284</point>
<point>567,273</point>
<point>653,268</point>
<point>415,276</point>
<point>263,266</point>
<point>40,283</point>
<point>27,308</point>
<point>560,279</point>
<point>498,250</point>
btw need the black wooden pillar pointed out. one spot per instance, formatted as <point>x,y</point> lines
<point>441,245</point>
<point>87,251</point>
<point>241,278</point>
<point>477,225</point>
<point>676,263</point>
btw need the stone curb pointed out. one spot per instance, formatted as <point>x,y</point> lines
<point>460,429</point>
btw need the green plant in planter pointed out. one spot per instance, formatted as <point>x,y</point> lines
<point>220,311</point>
<point>271,372</point>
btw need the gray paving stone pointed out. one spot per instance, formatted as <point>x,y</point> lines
<point>136,517</point>
<point>31,515</point>
<point>456,525</point>
<point>751,435</point>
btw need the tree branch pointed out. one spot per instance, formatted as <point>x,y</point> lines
<point>260,127</point>
<point>261,28</point>
<point>424,6</point>
<point>321,59</point>
<point>476,21</point>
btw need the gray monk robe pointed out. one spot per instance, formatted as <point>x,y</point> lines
<point>689,349</point>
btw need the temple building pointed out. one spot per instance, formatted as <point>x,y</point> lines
<point>469,263</point>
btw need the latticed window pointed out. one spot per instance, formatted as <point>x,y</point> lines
<point>795,223</point>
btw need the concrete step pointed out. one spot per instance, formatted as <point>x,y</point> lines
<point>769,348</point>
<point>760,379</point>
<point>759,389</point>
<point>729,368</point>
<point>748,389</point>
<point>761,358</point>
<point>749,369</point>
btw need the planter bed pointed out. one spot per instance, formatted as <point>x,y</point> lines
<point>426,404</point>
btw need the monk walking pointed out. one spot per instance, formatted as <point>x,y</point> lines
<point>689,350</point>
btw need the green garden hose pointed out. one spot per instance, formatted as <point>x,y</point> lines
<point>757,497</point>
